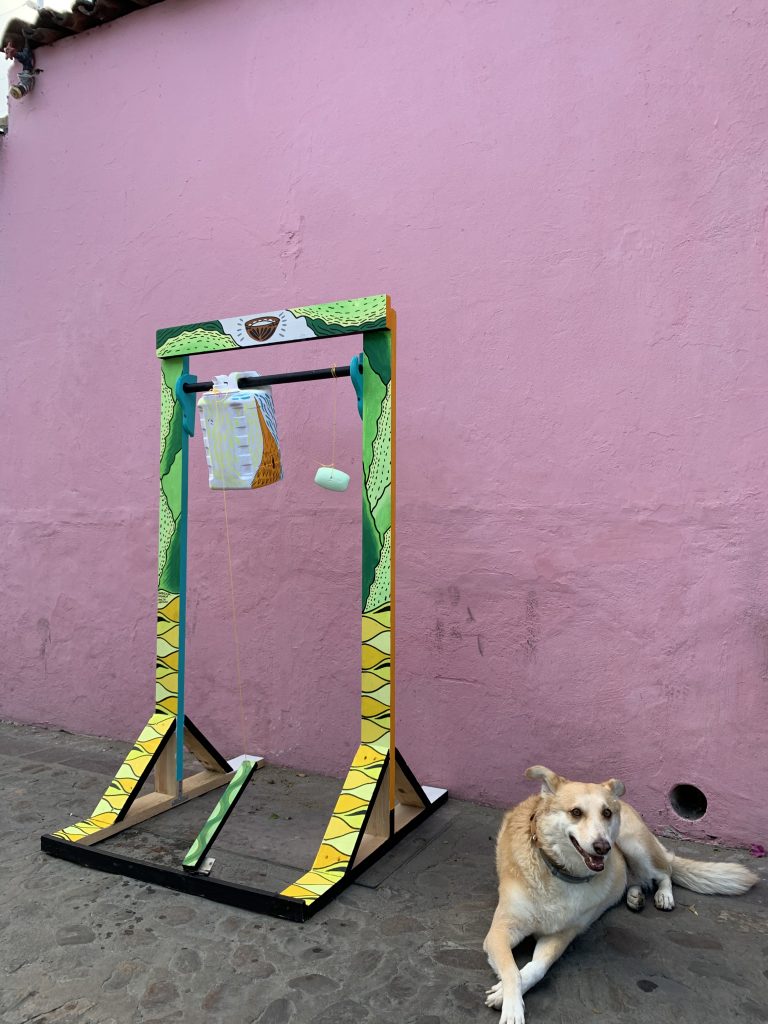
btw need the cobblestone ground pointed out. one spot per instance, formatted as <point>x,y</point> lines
<point>402,946</point>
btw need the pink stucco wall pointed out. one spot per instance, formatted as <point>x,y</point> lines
<point>568,204</point>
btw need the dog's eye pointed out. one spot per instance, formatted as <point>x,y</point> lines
<point>607,812</point>
<point>576,812</point>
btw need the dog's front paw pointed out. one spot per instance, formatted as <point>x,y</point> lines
<point>513,1013</point>
<point>495,996</point>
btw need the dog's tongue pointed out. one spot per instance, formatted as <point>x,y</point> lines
<point>593,862</point>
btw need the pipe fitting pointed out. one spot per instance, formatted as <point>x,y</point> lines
<point>26,82</point>
<point>24,86</point>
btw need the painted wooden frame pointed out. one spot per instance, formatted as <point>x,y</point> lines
<point>380,800</point>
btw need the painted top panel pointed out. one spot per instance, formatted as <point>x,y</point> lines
<point>329,320</point>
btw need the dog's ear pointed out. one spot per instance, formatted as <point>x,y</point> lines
<point>549,780</point>
<point>616,787</point>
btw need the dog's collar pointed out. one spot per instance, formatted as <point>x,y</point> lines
<point>555,870</point>
<point>563,875</point>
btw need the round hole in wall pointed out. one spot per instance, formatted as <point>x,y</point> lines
<point>688,801</point>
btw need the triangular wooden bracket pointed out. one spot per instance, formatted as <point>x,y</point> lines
<point>123,803</point>
<point>384,821</point>
<point>407,789</point>
<point>198,746</point>
<point>202,749</point>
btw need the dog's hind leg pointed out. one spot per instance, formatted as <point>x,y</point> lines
<point>548,949</point>
<point>507,995</point>
<point>635,897</point>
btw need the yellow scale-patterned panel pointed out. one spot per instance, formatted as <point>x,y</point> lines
<point>122,786</point>
<point>375,704</point>
<point>167,670</point>
<point>343,831</point>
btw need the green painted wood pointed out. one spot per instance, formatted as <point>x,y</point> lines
<point>378,399</point>
<point>218,816</point>
<point>172,551</point>
<point>327,320</point>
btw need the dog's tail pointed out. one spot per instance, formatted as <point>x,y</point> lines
<point>727,879</point>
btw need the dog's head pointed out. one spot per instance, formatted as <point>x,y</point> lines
<point>577,822</point>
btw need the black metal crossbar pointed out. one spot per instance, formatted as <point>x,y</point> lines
<point>246,382</point>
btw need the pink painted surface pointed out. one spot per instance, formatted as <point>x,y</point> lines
<point>568,204</point>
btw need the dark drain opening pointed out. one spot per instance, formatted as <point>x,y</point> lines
<point>688,801</point>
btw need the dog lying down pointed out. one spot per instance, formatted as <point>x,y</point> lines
<point>563,858</point>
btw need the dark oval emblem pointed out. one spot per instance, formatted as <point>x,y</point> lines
<point>261,328</point>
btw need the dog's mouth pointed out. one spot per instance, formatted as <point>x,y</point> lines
<point>593,860</point>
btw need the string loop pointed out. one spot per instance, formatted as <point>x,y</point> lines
<point>235,632</point>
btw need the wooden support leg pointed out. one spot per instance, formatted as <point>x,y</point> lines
<point>165,772</point>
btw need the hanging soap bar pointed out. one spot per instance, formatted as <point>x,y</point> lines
<point>332,479</point>
<point>240,435</point>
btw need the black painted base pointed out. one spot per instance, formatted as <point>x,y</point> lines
<point>234,895</point>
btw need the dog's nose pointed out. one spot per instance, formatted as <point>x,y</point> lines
<point>601,847</point>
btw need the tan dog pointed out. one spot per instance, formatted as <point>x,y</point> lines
<point>563,858</point>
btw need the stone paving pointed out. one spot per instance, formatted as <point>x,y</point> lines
<point>403,945</point>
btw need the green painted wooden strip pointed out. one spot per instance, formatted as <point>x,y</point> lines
<point>377,468</point>
<point>219,815</point>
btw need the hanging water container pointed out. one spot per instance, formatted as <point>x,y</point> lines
<point>240,435</point>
